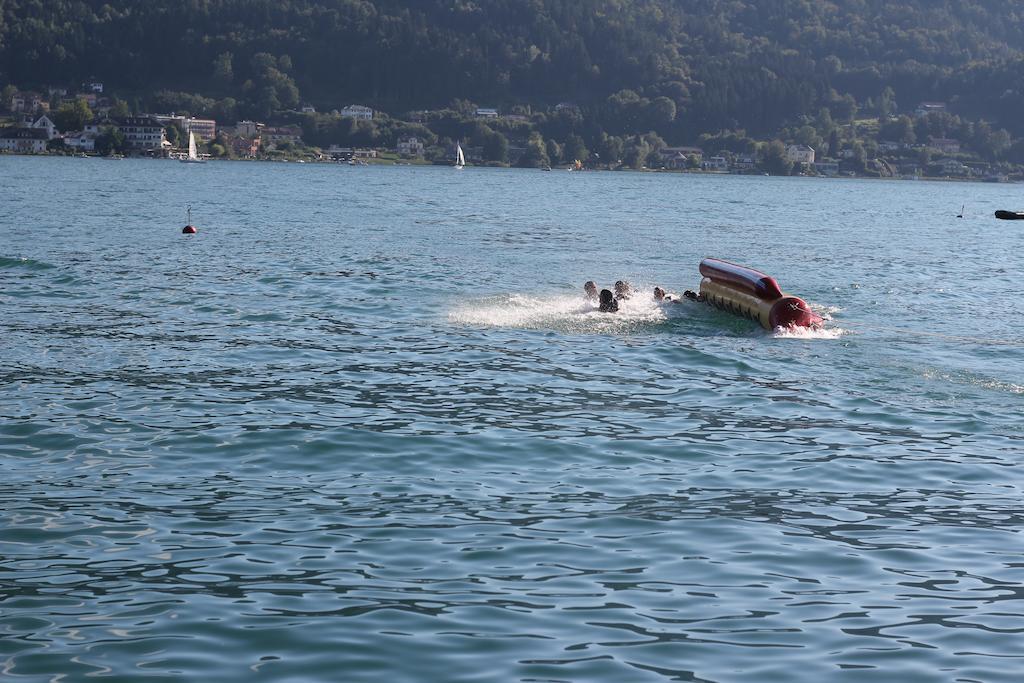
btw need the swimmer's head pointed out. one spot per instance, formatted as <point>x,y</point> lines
<point>659,294</point>
<point>590,287</point>
<point>606,297</point>
<point>623,289</point>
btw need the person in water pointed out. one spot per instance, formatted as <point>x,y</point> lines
<point>590,287</point>
<point>661,295</point>
<point>623,290</point>
<point>608,303</point>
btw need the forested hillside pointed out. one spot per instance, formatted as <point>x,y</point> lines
<point>679,67</point>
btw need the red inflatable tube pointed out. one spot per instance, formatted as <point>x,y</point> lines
<point>752,294</point>
<point>747,279</point>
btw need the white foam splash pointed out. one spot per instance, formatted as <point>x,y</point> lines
<point>565,312</point>
<point>808,332</point>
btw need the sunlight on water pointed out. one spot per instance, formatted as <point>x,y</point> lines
<point>389,439</point>
<point>566,313</point>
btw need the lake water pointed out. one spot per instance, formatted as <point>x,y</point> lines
<point>364,427</point>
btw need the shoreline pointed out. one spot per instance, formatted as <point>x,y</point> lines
<point>424,163</point>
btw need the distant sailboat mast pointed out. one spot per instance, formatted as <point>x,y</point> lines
<point>460,159</point>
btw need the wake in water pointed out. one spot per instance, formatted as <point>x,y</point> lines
<point>573,313</point>
<point>822,331</point>
<point>567,313</point>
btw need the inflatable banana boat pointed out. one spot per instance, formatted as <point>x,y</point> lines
<point>752,294</point>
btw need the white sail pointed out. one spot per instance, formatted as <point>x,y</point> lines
<point>193,152</point>
<point>460,159</point>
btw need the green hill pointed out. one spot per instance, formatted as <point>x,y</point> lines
<point>676,67</point>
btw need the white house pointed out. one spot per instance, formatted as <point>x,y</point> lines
<point>80,140</point>
<point>358,111</point>
<point>744,162</point>
<point>141,133</point>
<point>800,154</point>
<point>410,146</point>
<point>486,113</point>
<point>715,164</point>
<point>952,167</point>
<point>675,153</point>
<point>44,123</point>
<point>24,140</point>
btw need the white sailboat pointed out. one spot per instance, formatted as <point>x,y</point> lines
<point>193,153</point>
<point>460,158</point>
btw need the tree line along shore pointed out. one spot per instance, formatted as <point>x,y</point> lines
<point>929,142</point>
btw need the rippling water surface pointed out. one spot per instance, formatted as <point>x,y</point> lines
<point>364,427</point>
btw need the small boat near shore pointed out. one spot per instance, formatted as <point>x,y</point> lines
<point>193,152</point>
<point>1010,215</point>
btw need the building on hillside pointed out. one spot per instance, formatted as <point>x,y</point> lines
<point>343,153</point>
<point>28,102</point>
<point>566,106</point>
<point>892,146</point>
<point>80,141</point>
<point>800,154</point>
<point>744,162</point>
<point>171,120</point>
<point>357,111</point>
<point>486,113</point>
<point>23,140</point>
<point>248,129</point>
<point>274,136</point>
<point>308,109</point>
<point>679,157</point>
<point>829,167</point>
<point>44,123</point>
<point>93,86</point>
<point>715,164</point>
<point>205,129</point>
<point>910,168</point>
<point>141,133</point>
<point>517,118</point>
<point>950,167</point>
<point>410,146</point>
<point>930,108</point>
<point>944,145</point>
<point>244,146</point>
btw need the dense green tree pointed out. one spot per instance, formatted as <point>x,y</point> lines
<point>72,116</point>
<point>120,109</point>
<point>110,141</point>
<point>575,149</point>
<point>773,159</point>
<point>681,69</point>
<point>223,69</point>
<point>495,147</point>
<point>536,155</point>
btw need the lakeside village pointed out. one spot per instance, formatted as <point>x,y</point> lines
<point>88,123</point>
